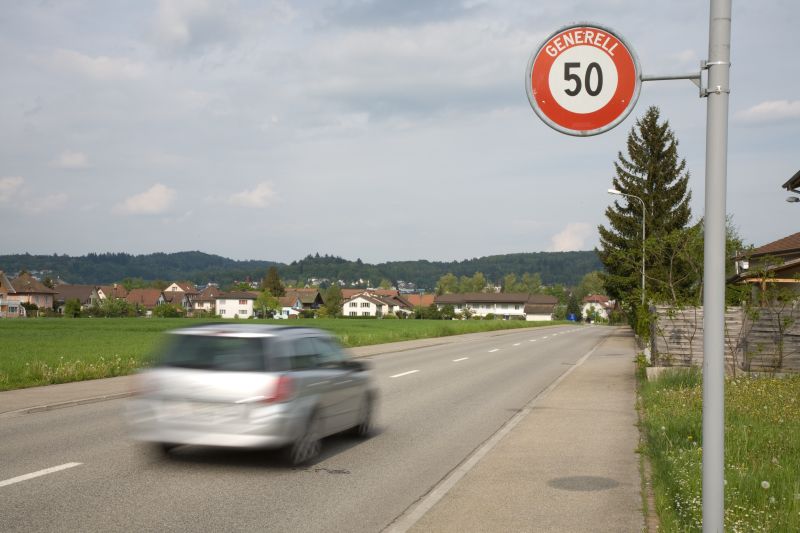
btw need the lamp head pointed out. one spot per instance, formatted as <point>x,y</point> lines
<point>793,199</point>
<point>614,191</point>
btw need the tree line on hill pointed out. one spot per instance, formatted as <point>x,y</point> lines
<point>565,268</point>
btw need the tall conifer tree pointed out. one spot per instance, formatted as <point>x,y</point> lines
<point>654,172</point>
<point>272,283</point>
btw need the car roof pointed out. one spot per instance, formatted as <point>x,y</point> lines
<point>247,330</point>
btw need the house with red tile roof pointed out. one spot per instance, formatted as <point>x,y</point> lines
<point>32,291</point>
<point>9,305</point>
<point>85,294</point>
<point>371,304</point>
<point>597,305</point>
<point>775,262</point>
<point>146,298</point>
<point>111,291</point>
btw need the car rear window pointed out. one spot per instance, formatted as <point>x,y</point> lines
<point>216,353</point>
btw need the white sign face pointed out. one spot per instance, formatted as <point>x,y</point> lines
<point>583,80</point>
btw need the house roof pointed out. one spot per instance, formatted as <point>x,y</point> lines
<point>306,296</point>
<point>114,291</point>
<point>485,297</point>
<point>288,301</point>
<point>539,309</point>
<point>793,183</point>
<point>596,299</point>
<point>27,284</point>
<point>784,246</point>
<point>349,293</point>
<point>238,295</point>
<point>209,294</point>
<point>5,284</point>
<point>417,300</point>
<point>187,287</point>
<point>82,293</point>
<point>145,297</point>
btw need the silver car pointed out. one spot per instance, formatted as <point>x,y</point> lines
<point>250,386</point>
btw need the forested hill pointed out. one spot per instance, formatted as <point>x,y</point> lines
<point>554,267</point>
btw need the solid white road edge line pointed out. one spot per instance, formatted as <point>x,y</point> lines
<point>37,474</point>
<point>407,520</point>
<point>404,374</point>
<point>462,359</point>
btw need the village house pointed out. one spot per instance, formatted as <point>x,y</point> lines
<point>206,301</point>
<point>114,291</point>
<point>371,304</point>
<point>29,290</point>
<point>236,304</point>
<point>503,305</point>
<point>9,305</point>
<point>85,294</point>
<point>598,306</point>
<point>149,299</point>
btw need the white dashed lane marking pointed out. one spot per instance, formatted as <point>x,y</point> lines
<point>461,359</point>
<point>37,474</point>
<point>494,350</point>
<point>404,374</point>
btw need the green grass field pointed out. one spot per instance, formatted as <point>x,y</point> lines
<point>45,351</point>
<point>762,451</point>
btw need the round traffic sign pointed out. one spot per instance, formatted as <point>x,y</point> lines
<point>583,80</point>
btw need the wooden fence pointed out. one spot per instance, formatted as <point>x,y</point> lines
<point>765,341</point>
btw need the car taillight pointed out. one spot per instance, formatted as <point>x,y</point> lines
<point>284,388</point>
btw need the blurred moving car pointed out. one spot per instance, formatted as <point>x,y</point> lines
<point>244,385</point>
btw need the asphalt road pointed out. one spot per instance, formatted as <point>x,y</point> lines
<point>437,405</point>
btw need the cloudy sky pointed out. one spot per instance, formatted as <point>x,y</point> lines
<point>377,129</point>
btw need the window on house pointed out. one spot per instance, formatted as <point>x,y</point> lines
<point>365,313</point>
<point>353,304</point>
<point>516,307</point>
<point>243,312</point>
<point>242,302</point>
<point>364,304</point>
<point>221,311</point>
<point>353,313</point>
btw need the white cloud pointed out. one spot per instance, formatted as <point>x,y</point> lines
<point>771,111</point>
<point>72,160</point>
<point>99,68</point>
<point>156,199</point>
<point>261,196</point>
<point>47,203</point>
<point>9,187</point>
<point>187,25</point>
<point>573,237</point>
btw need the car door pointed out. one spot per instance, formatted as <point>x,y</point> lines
<point>317,382</point>
<point>349,383</point>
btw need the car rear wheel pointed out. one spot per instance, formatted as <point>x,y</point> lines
<point>365,418</point>
<point>308,445</point>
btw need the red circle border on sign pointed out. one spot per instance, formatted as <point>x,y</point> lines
<point>580,124</point>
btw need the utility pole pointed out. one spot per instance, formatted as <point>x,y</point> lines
<point>718,65</point>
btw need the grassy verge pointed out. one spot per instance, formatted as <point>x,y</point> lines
<point>46,351</point>
<point>762,451</point>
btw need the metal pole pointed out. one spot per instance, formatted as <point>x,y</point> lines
<point>719,49</point>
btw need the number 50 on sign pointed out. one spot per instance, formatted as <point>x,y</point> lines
<point>583,80</point>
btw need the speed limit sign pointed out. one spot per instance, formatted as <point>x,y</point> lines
<point>583,80</point>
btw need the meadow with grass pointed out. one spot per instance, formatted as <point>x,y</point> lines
<point>47,351</point>
<point>762,451</point>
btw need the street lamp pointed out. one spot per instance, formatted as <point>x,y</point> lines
<point>644,216</point>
